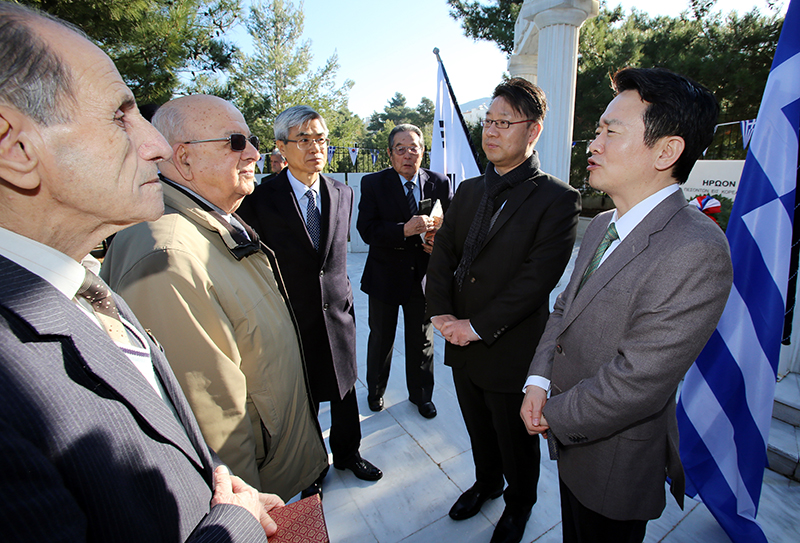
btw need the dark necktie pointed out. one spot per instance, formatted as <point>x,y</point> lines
<point>313,218</point>
<point>97,293</point>
<point>412,200</point>
<point>610,237</point>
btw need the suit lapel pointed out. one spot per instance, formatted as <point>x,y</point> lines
<point>48,312</point>
<point>631,247</point>
<point>286,204</point>
<point>331,198</point>
<point>516,197</point>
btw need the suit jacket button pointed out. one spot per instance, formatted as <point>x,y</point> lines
<point>321,273</point>
<point>325,307</point>
<point>412,268</point>
<point>472,280</point>
<point>559,350</point>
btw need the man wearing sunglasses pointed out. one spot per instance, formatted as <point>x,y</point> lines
<point>502,248</point>
<point>211,292</point>
<point>394,210</point>
<point>305,218</point>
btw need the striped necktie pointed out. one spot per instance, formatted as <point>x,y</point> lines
<point>412,200</point>
<point>610,237</point>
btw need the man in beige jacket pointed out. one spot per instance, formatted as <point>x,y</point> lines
<point>199,279</point>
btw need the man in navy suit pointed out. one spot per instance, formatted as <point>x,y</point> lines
<point>304,217</point>
<point>393,213</point>
<point>98,440</point>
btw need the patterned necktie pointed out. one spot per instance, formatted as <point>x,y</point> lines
<point>95,291</point>
<point>313,218</point>
<point>412,200</point>
<point>610,237</point>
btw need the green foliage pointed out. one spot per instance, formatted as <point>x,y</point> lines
<point>493,22</point>
<point>153,41</point>
<point>397,112</point>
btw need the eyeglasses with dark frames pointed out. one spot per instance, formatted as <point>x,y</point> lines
<point>304,144</point>
<point>238,141</point>
<point>502,124</point>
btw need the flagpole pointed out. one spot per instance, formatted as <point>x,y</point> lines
<point>458,109</point>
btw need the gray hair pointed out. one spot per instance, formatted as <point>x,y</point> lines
<point>405,128</point>
<point>296,116</point>
<point>33,78</point>
<point>277,152</point>
<point>171,122</point>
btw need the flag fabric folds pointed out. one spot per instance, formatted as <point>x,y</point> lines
<point>725,406</point>
<point>451,149</point>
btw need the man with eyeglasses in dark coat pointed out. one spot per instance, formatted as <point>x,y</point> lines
<point>305,218</point>
<point>393,215</point>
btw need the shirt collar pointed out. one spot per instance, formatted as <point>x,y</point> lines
<point>58,269</point>
<point>299,187</point>
<point>637,213</point>
<point>414,179</point>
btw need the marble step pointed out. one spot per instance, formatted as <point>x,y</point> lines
<point>787,400</point>
<point>783,451</point>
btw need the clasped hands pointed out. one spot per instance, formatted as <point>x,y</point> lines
<point>232,490</point>
<point>531,411</point>
<point>456,331</point>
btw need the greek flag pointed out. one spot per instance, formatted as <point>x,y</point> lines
<point>451,149</point>
<point>725,406</point>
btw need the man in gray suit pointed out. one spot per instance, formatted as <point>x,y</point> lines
<point>650,283</point>
<point>97,438</point>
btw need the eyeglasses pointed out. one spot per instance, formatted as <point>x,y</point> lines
<point>502,125</point>
<point>238,141</point>
<point>400,150</point>
<point>304,144</point>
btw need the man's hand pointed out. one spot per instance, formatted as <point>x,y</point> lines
<point>439,320</point>
<point>419,224</point>
<point>459,332</point>
<point>531,411</point>
<point>232,490</point>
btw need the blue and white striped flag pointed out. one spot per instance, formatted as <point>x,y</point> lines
<point>725,406</point>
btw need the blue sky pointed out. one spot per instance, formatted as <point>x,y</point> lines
<point>387,46</point>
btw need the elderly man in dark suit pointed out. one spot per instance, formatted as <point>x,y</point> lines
<point>390,220</point>
<point>504,244</point>
<point>305,218</point>
<point>649,286</point>
<point>98,439</point>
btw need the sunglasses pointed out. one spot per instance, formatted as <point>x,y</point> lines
<point>238,141</point>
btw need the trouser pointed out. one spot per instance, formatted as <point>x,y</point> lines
<point>501,446</point>
<point>345,435</point>
<point>582,525</point>
<point>418,344</point>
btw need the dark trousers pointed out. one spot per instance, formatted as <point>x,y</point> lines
<point>345,436</point>
<point>418,341</point>
<point>500,444</point>
<point>582,525</point>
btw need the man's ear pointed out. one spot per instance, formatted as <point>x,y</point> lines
<point>182,160</point>
<point>535,132</point>
<point>20,143</point>
<point>671,150</point>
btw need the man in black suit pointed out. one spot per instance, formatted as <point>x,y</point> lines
<point>304,217</point>
<point>393,213</point>
<point>99,441</point>
<point>502,248</point>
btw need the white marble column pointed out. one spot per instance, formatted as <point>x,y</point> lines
<point>554,25</point>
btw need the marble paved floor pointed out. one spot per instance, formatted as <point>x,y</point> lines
<point>427,464</point>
